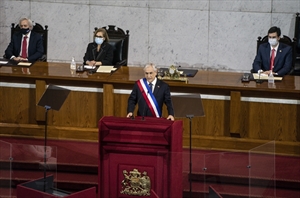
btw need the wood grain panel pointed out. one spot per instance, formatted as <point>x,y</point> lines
<point>81,109</point>
<point>256,122</point>
<point>235,113</point>
<point>17,105</point>
<point>121,101</point>
<point>270,121</point>
<point>108,100</point>
<point>216,120</point>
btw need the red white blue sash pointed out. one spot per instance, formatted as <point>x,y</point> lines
<point>149,97</point>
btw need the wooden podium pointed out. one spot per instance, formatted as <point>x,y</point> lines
<point>140,157</point>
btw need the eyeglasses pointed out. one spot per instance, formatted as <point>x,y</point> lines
<point>99,36</point>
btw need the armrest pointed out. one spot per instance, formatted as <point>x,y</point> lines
<point>43,58</point>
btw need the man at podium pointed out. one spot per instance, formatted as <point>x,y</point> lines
<point>150,93</point>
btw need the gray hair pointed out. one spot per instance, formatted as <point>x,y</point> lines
<point>151,65</point>
<point>29,22</point>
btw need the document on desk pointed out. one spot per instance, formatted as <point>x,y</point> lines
<point>26,64</point>
<point>89,67</point>
<point>106,69</point>
<point>264,77</point>
<point>3,62</point>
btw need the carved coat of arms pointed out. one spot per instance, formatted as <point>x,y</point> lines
<point>136,183</point>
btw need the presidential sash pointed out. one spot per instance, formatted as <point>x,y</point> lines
<point>149,97</point>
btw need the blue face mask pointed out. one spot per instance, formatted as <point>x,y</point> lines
<point>24,31</point>
<point>273,41</point>
<point>98,40</point>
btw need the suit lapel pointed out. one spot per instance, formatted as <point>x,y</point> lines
<point>157,87</point>
<point>278,54</point>
<point>267,54</point>
<point>94,50</point>
<point>29,43</point>
<point>19,40</point>
<point>101,51</point>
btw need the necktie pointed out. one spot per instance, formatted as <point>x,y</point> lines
<point>24,47</point>
<point>272,59</point>
<point>151,86</point>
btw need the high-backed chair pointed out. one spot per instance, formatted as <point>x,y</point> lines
<point>119,40</point>
<point>284,39</point>
<point>36,28</point>
<point>296,70</point>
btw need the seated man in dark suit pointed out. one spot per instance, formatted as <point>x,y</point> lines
<point>25,45</point>
<point>273,56</point>
<point>150,93</point>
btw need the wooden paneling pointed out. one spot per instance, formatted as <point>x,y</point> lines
<point>235,113</point>
<point>272,121</point>
<point>108,100</point>
<point>252,122</point>
<point>17,105</point>
<point>81,109</point>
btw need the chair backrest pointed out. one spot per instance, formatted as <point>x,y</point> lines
<point>284,39</point>
<point>119,40</point>
<point>297,34</point>
<point>36,28</point>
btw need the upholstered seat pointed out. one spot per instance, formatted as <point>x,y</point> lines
<point>119,40</point>
<point>39,29</point>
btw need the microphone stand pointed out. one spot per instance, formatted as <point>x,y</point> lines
<point>47,108</point>
<point>190,164</point>
<point>259,80</point>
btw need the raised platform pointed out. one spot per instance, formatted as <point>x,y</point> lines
<point>227,172</point>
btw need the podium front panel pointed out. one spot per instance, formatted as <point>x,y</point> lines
<point>136,157</point>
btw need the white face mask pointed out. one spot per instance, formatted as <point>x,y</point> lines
<point>98,40</point>
<point>273,41</point>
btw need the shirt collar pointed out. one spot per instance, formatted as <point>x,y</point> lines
<point>28,35</point>
<point>276,48</point>
<point>154,81</point>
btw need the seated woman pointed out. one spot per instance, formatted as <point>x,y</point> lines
<point>99,52</point>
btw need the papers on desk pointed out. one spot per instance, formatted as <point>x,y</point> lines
<point>3,62</point>
<point>264,77</point>
<point>89,67</point>
<point>26,64</point>
<point>106,69</point>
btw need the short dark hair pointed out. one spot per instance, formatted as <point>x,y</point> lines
<point>275,29</point>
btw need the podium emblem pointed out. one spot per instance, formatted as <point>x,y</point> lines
<point>136,183</point>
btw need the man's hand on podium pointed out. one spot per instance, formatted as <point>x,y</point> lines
<point>170,117</point>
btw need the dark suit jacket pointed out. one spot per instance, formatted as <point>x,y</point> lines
<point>35,47</point>
<point>161,93</point>
<point>105,54</point>
<point>282,62</point>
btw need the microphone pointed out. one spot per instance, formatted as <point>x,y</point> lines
<point>143,116</point>
<point>259,80</point>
